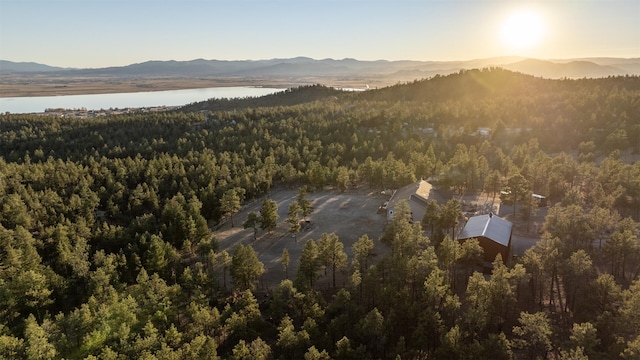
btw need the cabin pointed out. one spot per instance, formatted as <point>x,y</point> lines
<point>493,234</point>
<point>416,195</point>
<point>540,200</point>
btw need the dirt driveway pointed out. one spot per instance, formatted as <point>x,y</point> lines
<point>350,215</point>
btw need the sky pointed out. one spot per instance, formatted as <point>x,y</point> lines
<point>101,33</point>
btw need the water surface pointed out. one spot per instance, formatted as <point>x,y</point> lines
<point>35,104</point>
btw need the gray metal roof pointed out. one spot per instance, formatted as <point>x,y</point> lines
<point>491,227</point>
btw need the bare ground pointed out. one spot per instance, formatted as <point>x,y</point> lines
<point>349,215</point>
<point>23,86</point>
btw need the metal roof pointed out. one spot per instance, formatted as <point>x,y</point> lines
<point>489,226</point>
<point>416,195</point>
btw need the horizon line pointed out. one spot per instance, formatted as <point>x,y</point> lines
<point>325,59</point>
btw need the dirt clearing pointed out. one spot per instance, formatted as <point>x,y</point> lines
<point>349,215</point>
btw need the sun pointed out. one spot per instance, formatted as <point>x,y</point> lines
<point>522,29</point>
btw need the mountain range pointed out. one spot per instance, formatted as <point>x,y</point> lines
<point>307,67</point>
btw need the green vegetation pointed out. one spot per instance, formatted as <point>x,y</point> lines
<point>105,249</point>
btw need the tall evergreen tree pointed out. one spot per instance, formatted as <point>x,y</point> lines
<point>305,204</point>
<point>269,215</point>
<point>285,261</point>
<point>450,216</point>
<point>431,216</point>
<point>231,202</point>
<point>294,219</point>
<point>253,221</point>
<point>245,267</point>
<point>309,265</point>
<point>331,251</point>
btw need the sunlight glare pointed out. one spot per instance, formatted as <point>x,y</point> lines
<point>522,30</point>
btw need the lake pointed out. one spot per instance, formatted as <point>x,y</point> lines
<point>36,104</point>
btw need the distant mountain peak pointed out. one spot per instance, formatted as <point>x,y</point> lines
<point>19,67</point>
<point>302,66</point>
<point>577,68</point>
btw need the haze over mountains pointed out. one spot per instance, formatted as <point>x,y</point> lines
<point>307,67</point>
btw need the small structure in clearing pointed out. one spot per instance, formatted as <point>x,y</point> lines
<point>493,234</point>
<point>416,195</point>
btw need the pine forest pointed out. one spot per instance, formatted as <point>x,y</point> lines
<point>108,246</point>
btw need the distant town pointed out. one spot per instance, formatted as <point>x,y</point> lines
<point>83,113</point>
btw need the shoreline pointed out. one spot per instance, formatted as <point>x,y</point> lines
<point>12,86</point>
<point>93,86</point>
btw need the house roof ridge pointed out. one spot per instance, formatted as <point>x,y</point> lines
<point>486,226</point>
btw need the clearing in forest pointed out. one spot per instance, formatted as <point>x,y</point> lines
<point>349,215</point>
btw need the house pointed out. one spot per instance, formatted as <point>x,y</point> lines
<point>540,199</point>
<point>493,234</point>
<point>416,195</point>
<point>484,132</point>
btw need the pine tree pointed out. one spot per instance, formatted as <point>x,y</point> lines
<point>285,261</point>
<point>245,267</point>
<point>269,215</point>
<point>293,220</point>
<point>231,202</point>
<point>332,254</point>
<point>253,220</point>
<point>309,266</point>
<point>305,204</point>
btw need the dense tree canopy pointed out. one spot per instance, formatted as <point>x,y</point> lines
<point>106,252</point>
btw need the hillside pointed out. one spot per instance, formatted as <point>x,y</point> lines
<point>572,69</point>
<point>464,85</point>
<point>28,79</point>
<point>307,67</point>
<point>10,67</point>
<point>288,97</point>
<point>22,79</point>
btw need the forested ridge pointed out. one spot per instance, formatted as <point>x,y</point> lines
<point>106,250</point>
